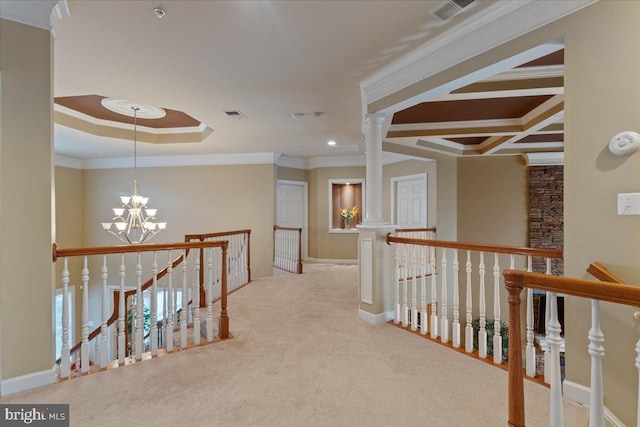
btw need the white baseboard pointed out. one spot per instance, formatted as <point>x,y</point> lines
<point>582,395</point>
<point>375,319</point>
<point>28,381</point>
<point>331,261</point>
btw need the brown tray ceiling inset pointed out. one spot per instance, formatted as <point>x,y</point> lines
<point>91,106</point>
<point>555,58</point>
<point>544,137</point>
<point>471,109</point>
<point>472,140</point>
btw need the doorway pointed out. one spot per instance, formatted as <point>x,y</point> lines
<point>409,201</point>
<point>291,205</point>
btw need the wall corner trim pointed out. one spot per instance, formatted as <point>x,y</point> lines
<point>375,319</point>
<point>544,159</point>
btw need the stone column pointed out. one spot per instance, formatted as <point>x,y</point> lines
<point>375,257</point>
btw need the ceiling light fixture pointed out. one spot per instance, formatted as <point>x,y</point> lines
<point>331,142</point>
<point>160,13</point>
<point>138,226</point>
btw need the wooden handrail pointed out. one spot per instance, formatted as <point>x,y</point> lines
<point>516,250</point>
<point>119,249</point>
<point>190,237</point>
<point>277,227</point>
<point>600,272</point>
<point>413,230</point>
<point>515,282</point>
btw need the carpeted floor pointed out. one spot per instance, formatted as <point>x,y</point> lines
<point>301,357</point>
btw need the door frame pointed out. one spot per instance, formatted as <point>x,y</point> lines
<point>394,183</point>
<point>305,212</point>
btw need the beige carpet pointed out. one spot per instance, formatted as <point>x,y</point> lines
<point>301,357</point>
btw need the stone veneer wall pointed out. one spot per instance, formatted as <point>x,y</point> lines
<point>546,213</point>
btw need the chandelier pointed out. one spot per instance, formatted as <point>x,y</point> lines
<point>133,222</point>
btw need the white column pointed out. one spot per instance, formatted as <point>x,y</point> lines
<point>373,192</point>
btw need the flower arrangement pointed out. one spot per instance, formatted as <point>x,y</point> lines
<point>348,214</point>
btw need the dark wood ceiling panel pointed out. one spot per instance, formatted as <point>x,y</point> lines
<point>545,137</point>
<point>472,109</point>
<point>474,140</point>
<point>555,58</point>
<point>90,105</point>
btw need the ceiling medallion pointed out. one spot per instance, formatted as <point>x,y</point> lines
<point>124,107</point>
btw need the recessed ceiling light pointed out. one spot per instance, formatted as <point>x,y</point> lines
<point>160,13</point>
<point>331,142</point>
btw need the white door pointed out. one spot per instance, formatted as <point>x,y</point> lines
<point>292,208</point>
<point>411,201</point>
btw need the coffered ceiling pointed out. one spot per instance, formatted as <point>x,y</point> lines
<point>292,72</point>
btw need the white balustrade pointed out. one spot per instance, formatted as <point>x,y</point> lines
<point>171,306</point>
<point>546,346</point>
<point>468,329</point>
<point>396,285</point>
<point>414,288</point>
<point>64,353</point>
<point>482,333</point>
<point>287,249</point>
<point>84,349</point>
<point>497,338</point>
<point>596,350</point>
<point>434,295</point>
<point>196,302</point>
<point>139,316</point>
<point>444,326</point>
<point>153,337</point>
<point>530,353</point>
<point>556,416</point>
<point>104,346</point>
<point>405,276</point>
<point>121,315</point>
<point>456,301</point>
<point>209,294</point>
<point>424,271</point>
<point>184,310</point>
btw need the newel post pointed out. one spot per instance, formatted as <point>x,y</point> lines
<point>516,386</point>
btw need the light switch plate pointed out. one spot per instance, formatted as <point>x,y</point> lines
<point>629,204</point>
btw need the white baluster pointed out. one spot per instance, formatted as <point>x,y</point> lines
<point>405,290</point>
<point>414,289</point>
<point>547,352</point>
<point>184,317</point>
<point>122,345</point>
<point>637,317</point>
<point>531,350</point>
<point>139,310</point>
<point>596,350</point>
<point>396,317</point>
<point>434,295</point>
<point>170,307</point>
<point>165,303</point>
<point>154,307</point>
<point>497,337</point>
<point>104,344</point>
<point>456,301</point>
<point>468,329</point>
<point>444,326</point>
<point>65,369</point>
<point>84,349</point>
<point>423,294</point>
<point>209,295</point>
<point>482,333</point>
<point>196,302</point>
<point>556,416</point>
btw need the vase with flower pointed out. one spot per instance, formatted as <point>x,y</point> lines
<point>347,215</point>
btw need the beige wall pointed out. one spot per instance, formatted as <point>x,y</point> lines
<point>322,244</point>
<point>492,200</point>
<point>602,98</point>
<point>25,198</point>
<point>69,230</point>
<point>292,174</point>
<point>192,200</point>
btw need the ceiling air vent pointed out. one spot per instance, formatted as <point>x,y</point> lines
<point>450,8</point>
<point>235,114</point>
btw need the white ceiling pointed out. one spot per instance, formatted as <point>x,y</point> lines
<point>267,59</point>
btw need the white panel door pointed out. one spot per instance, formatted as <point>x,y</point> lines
<point>411,203</point>
<point>291,208</point>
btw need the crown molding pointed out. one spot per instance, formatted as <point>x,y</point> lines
<point>235,159</point>
<point>544,159</point>
<point>44,14</point>
<point>476,34</point>
<point>67,162</point>
<point>528,73</point>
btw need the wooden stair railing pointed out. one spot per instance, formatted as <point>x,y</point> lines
<point>287,249</point>
<point>421,264</point>
<point>223,330</point>
<point>515,282</point>
<point>600,272</point>
<point>188,238</point>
